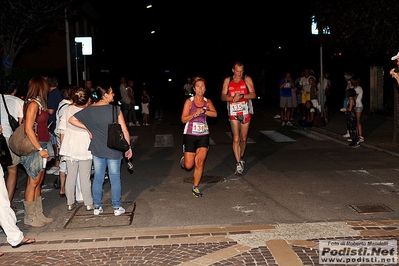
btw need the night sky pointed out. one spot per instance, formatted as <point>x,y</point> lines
<point>205,38</point>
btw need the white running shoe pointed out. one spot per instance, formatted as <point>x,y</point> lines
<point>239,169</point>
<point>347,135</point>
<point>119,211</point>
<point>277,116</point>
<point>289,123</point>
<point>98,211</point>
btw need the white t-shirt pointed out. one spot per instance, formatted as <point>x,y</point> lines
<point>15,106</point>
<point>359,97</point>
<point>304,82</point>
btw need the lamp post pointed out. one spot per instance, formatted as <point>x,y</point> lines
<point>320,31</point>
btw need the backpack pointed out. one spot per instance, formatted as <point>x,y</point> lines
<point>250,106</point>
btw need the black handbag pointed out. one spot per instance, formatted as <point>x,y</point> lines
<point>116,140</point>
<point>11,120</point>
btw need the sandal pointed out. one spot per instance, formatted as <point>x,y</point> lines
<point>1,253</point>
<point>25,241</point>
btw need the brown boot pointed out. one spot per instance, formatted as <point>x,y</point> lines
<point>30,215</point>
<point>39,211</point>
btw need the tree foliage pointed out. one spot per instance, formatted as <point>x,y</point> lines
<point>363,27</point>
<point>26,24</point>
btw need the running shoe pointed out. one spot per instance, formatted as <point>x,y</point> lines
<point>347,135</point>
<point>289,124</point>
<point>98,211</point>
<point>354,144</point>
<point>242,162</point>
<point>196,192</point>
<point>182,162</point>
<point>239,169</point>
<point>119,211</point>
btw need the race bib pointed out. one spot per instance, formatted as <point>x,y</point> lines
<point>199,128</point>
<point>238,107</point>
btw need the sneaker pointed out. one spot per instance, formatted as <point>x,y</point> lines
<point>89,207</point>
<point>53,170</point>
<point>361,139</point>
<point>347,135</point>
<point>283,124</point>
<point>196,192</point>
<point>182,162</point>
<point>289,123</point>
<point>130,124</point>
<point>349,139</point>
<point>277,116</point>
<point>354,144</point>
<point>72,207</point>
<point>119,211</point>
<point>239,169</point>
<point>242,162</point>
<point>98,211</point>
<point>137,124</point>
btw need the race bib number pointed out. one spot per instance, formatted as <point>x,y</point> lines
<point>239,107</point>
<point>199,128</point>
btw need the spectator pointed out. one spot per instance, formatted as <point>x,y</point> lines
<point>355,81</point>
<point>304,86</point>
<point>54,99</point>
<point>36,116</point>
<point>9,87</point>
<point>145,108</point>
<point>75,143</point>
<point>125,100</point>
<point>66,101</point>
<point>310,112</point>
<point>286,85</point>
<point>351,117</point>
<point>196,132</point>
<point>103,157</point>
<point>347,77</point>
<point>132,117</point>
<point>327,92</point>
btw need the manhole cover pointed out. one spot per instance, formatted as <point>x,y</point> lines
<point>206,179</point>
<point>371,208</point>
<point>80,218</point>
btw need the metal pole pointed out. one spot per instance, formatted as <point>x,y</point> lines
<point>76,62</point>
<point>321,92</point>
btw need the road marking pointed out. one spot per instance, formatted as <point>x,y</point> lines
<point>164,140</point>
<point>277,137</point>
<point>249,140</point>
<point>310,134</point>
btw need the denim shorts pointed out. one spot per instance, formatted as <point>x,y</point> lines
<point>33,163</point>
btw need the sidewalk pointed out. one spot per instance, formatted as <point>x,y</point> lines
<point>378,131</point>
<point>268,244</point>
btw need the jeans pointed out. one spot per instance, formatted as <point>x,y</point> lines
<point>114,173</point>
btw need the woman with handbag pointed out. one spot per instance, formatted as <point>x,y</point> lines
<point>35,124</point>
<point>95,119</point>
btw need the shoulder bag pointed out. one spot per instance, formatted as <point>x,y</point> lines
<point>116,140</point>
<point>11,120</point>
<point>19,143</point>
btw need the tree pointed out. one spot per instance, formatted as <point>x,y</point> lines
<point>363,27</point>
<point>26,24</point>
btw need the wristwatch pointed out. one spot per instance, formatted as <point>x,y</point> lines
<point>40,149</point>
